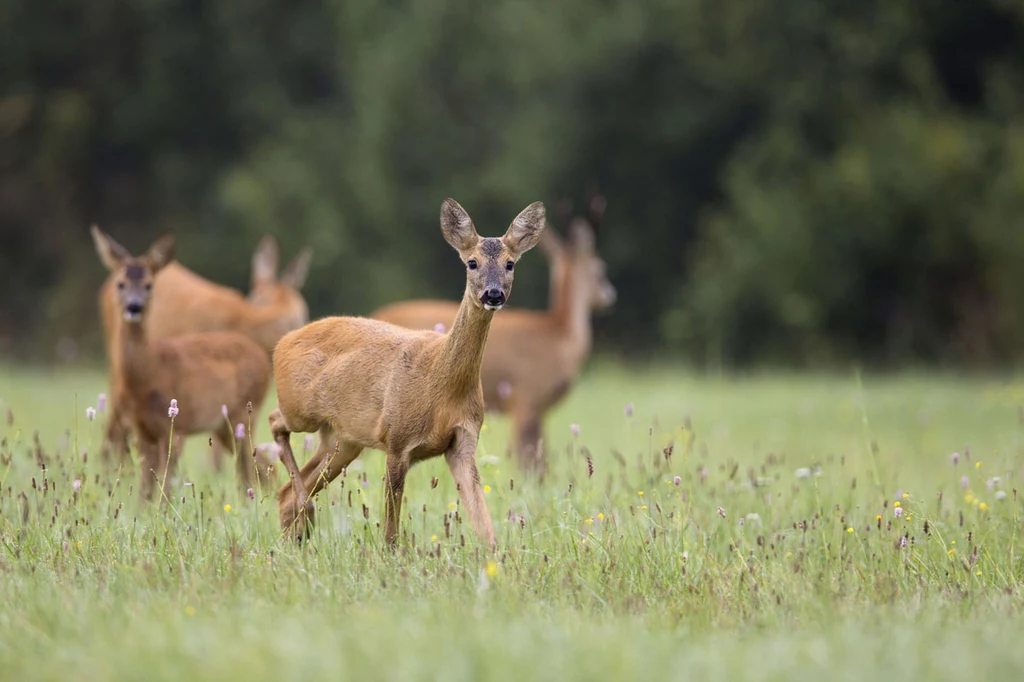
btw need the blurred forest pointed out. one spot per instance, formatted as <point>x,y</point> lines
<point>798,183</point>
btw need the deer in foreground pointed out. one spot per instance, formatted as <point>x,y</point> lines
<point>533,357</point>
<point>202,371</point>
<point>183,302</point>
<point>364,383</point>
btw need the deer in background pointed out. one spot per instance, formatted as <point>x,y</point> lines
<point>202,371</point>
<point>183,302</point>
<point>364,383</point>
<point>533,357</point>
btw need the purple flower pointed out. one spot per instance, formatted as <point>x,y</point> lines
<point>575,428</point>
<point>898,512</point>
<point>964,482</point>
<point>172,411</point>
<point>903,542</point>
<point>439,328</point>
<point>251,494</point>
<point>76,485</point>
<point>101,402</point>
<point>629,409</point>
<point>677,481</point>
<point>504,390</point>
<point>240,430</point>
<point>956,458</point>
<point>224,411</point>
<point>90,413</point>
<point>703,473</point>
<point>309,441</point>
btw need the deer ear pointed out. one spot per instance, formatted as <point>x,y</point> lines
<point>457,226</point>
<point>110,252</point>
<point>524,232</point>
<point>296,272</point>
<point>582,236</point>
<point>264,261</point>
<point>161,252</point>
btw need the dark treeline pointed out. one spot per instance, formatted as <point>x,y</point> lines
<point>795,182</point>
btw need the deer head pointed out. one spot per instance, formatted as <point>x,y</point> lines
<point>134,276</point>
<point>490,261</point>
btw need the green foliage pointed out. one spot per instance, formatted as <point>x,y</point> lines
<point>804,183</point>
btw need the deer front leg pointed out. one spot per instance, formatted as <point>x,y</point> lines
<point>394,489</point>
<point>461,458</point>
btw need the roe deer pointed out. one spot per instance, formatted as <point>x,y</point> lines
<point>184,302</point>
<point>363,383</point>
<point>203,371</point>
<point>532,357</point>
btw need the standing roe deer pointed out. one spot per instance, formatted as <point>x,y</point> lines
<point>204,370</point>
<point>413,394</point>
<point>184,302</point>
<point>532,357</point>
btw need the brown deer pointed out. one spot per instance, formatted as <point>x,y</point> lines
<point>532,357</point>
<point>363,383</point>
<point>183,302</point>
<point>201,371</point>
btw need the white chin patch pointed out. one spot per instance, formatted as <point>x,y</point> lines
<point>132,317</point>
<point>488,306</point>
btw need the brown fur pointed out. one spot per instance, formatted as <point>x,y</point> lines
<point>536,356</point>
<point>363,383</point>
<point>183,302</point>
<point>202,371</point>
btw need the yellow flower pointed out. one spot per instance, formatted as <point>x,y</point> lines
<point>190,611</point>
<point>977,465</point>
<point>640,493</point>
<point>909,516</point>
<point>433,538</point>
<point>967,498</point>
<point>492,569</point>
<point>983,506</point>
<point>906,495</point>
<point>588,521</point>
<point>487,488</point>
<point>600,516</point>
<point>975,501</point>
<point>451,506</point>
<point>896,503</point>
<point>79,543</point>
<point>950,552</point>
<point>643,508</point>
<point>978,574</point>
<point>953,543</point>
<point>878,517</point>
<point>849,530</point>
<point>483,427</point>
<point>227,507</point>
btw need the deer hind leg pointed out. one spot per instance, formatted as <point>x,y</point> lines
<point>394,489</point>
<point>527,441</point>
<point>149,453</point>
<point>332,455</point>
<point>461,458</point>
<point>115,439</point>
<point>217,450</point>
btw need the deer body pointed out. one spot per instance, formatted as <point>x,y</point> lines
<point>183,302</point>
<point>203,372</point>
<point>532,358</point>
<point>363,383</point>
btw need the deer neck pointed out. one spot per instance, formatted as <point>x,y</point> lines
<point>571,309</point>
<point>136,359</point>
<point>265,324</point>
<point>458,365</point>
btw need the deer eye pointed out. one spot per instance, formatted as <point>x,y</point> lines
<point>120,286</point>
<point>471,264</point>
<point>510,266</point>
<point>149,286</point>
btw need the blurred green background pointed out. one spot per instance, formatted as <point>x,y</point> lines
<point>788,183</point>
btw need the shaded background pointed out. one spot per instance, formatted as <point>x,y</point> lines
<point>801,184</point>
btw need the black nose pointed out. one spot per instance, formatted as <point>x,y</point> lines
<point>494,297</point>
<point>133,308</point>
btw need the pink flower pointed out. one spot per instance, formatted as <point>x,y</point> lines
<point>677,481</point>
<point>629,409</point>
<point>76,485</point>
<point>240,430</point>
<point>224,411</point>
<point>172,411</point>
<point>956,458</point>
<point>90,413</point>
<point>903,542</point>
<point>439,328</point>
<point>898,512</point>
<point>101,402</point>
<point>251,494</point>
<point>575,428</point>
<point>309,441</point>
<point>964,482</point>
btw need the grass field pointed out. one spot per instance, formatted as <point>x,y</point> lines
<point>768,546</point>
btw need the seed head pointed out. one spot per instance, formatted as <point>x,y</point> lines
<point>677,481</point>
<point>250,493</point>
<point>721,512</point>
<point>172,411</point>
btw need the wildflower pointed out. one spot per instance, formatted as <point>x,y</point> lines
<point>990,484</point>
<point>897,512</point>
<point>76,485</point>
<point>492,569</point>
<point>224,411</point>
<point>951,552</point>
<point>439,328</point>
<point>803,472</point>
<point>963,482</point>
<point>172,411</point>
<point>487,488</point>
<point>250,493</point>
<point>978,574</point>
<point>956,458</point>
<point>227,508</point>
<point>703,473</point>
<point>982,506</point>
<point>504,390</point>
<point>433,538</point>
<point>896,503</point>
<point>676,481</point>
<point>575,428</point>
<point>240,430</point>
<point>308,442</point>
<point>905,495</point>
<point>190,611</point>
<point>849,530</point>
<point>101,402</point>
<point>588,521</point>
<point>451,506</point>
<point>483,427</point>
<point>90,413</point>
<point>903,542</point>
<point>600,516</point>
<point>1000,494</point>
<point>629,409</point>
<point>721,512</point>
<point>977,465</point>
<point>643,508</point>
<point>489,460</point>
<point>878,517</point>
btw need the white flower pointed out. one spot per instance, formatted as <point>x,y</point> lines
<point>1000,494</point>
<point>803,472</point>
